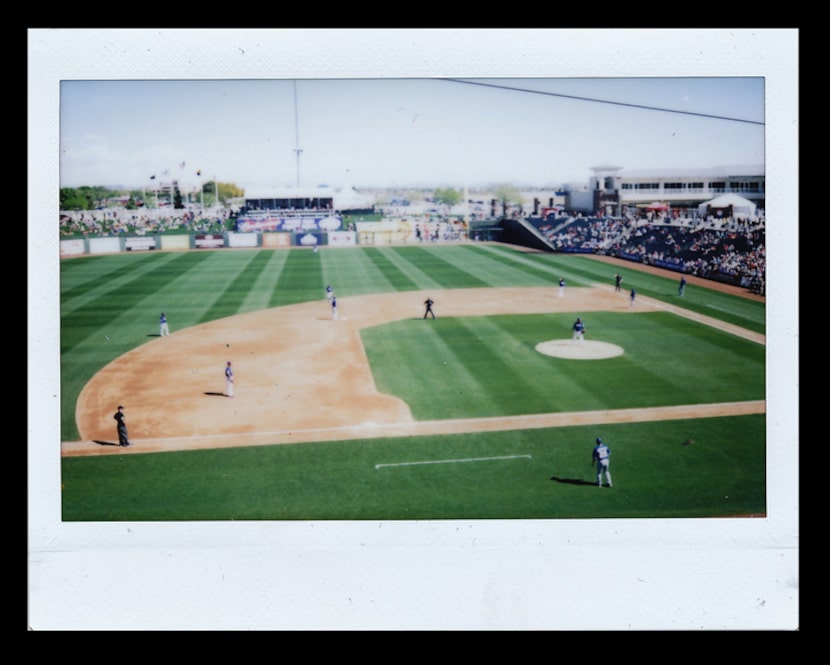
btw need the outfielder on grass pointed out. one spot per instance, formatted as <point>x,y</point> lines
<point>602,458</point>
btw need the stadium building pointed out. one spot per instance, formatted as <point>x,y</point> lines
<point>726,190</point>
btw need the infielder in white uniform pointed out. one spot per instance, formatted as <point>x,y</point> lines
<point>229,379</point>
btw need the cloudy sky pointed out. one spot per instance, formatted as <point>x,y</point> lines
<point>402,132</point>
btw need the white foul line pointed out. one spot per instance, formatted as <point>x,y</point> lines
<point>450,461</point>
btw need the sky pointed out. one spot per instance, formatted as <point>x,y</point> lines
<point>402,132</point>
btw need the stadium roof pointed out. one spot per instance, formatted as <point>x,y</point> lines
<point>343,198</point>
<point>711,172</point>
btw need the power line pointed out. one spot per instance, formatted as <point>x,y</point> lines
<point>605,101</point>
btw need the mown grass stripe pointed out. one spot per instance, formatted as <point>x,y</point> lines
<point>352,272</point>
<point>530,269</point>
<point>262,291</point>
<point>443,271</point>
<point>386,263</point>
<point>78,287</point>
<point>123,295</point>
<point>403,260</point>
<point>506,385</point>
<point>242,271</point>
<point>300,279</point>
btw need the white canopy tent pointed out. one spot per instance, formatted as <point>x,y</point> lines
<point>740,206</point>
<point>343,198</point>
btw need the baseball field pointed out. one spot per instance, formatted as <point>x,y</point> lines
<point>490,411</point>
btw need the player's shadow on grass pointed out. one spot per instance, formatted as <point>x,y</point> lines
<point>154,335</point>
<point>573,481</point>
<point>105,443</point>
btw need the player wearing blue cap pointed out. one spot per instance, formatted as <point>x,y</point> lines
<point>578,329</point>
<point>602,458</point>
<point>229,379</point>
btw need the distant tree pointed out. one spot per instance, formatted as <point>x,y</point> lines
<point>507,195</point>
<point>85,197</point>
<point>69,199</point>
<point>414,196</point>
<point>178,204</point>
<point>228,190</point>
<point>447,196</point>
<point>76,199</point>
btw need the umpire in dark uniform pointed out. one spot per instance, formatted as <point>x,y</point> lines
<point>428,303</point>
<point>123,439</point>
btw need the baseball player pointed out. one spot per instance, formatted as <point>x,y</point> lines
<point>562,287</point>
<point>602,458</point>
<point>428,303</point>
<point>329,292</point>
<point>164,329</point>
<point>578,329</point>
<point>333,307</point>
<point>229,379</point>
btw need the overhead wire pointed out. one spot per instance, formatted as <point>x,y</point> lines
<point>602,101</point>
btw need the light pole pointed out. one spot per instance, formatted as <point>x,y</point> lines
<point>297,149</point>
<point>201,190</point>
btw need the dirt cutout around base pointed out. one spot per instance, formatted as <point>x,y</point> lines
<point>301,376</point>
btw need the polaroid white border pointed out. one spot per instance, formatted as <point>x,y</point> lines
<point>453,575</point>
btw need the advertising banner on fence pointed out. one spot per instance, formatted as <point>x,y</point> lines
<point>342,238</point>
<point>104,245</point>
<point>263,221</point>
<point>139,244</point>
<point>175,242</point>
<point>309,239</point>
<point>243,239</point>
<point>276,240</point>
<point>208,241</point>
<point>72,247</point>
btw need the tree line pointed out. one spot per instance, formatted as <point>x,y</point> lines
<point>95,197</point>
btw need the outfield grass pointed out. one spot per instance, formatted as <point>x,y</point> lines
<point>111,304</point>
<point>495,475</point>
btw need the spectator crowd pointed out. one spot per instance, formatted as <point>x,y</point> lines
<point>729,249</point>
<point>115,221</point>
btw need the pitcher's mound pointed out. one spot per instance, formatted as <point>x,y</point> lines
<point>585,350</point>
